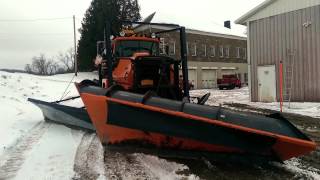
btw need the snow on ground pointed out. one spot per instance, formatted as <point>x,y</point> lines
<point>241,96</point>
<point>53,156</point>
<point>18,116</point>
<point>205,25</point>
<point>162,168</point>
<point>31,148</point>
<point>295,166</point>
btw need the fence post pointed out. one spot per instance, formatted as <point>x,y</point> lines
<point>281,85</point>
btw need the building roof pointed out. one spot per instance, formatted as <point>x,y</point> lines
<point>196,26</point>
<point>275,7</point>
<point>253,11</point>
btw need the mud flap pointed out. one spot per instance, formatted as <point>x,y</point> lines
<point>70,116</point>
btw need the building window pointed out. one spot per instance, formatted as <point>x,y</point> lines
<point>238,52</point>
<point>221,54</point>
<point>172,48</point>
<point>193,49</point>
<point>204,48</point>
<point>162,46</point>
<point>212,51</point>
<point>227,52</point>
<point>244,53</point>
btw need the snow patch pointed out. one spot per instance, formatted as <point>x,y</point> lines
<point>162,168</point>
<point>241,96</point>
<point>22,154</point>
<point>293,165</point>
<point>53,156</point>
<point>204,25</point>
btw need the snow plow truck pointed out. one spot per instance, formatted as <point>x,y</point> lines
<point>138,101</point>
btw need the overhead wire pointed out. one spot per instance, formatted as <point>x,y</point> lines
<point>34,20</point>
<point>65,93</point>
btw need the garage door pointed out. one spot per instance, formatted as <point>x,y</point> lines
<point>193,77</point>
<point>227,71</point>
<point>192,73</point>
<point>209,78</point>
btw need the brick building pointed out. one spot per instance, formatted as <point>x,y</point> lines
<point>210,54</point>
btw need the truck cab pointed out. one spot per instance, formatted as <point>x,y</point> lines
<point>138,67</point>
<point>129,46</point>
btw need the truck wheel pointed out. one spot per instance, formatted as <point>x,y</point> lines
<point>220,88</point>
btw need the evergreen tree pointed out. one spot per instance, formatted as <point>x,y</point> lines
<point>93,26</point>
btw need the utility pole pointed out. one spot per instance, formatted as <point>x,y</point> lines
<point>75,46</point>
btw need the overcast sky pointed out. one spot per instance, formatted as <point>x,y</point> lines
<point>21,40</point>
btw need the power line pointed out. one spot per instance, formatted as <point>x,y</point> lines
<point>53,33</point>
<point>33,20</point>
<point>33,35</point>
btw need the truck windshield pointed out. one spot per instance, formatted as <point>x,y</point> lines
<point>128,48</point>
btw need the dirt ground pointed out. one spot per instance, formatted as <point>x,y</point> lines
<point>305,167</point>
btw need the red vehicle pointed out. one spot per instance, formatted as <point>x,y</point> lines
<point>229,82</point>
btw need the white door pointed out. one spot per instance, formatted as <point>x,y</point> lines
<point>209,78</point>
<point>267,83</point>
<point>193,77</point>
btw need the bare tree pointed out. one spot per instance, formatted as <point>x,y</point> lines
<point>42,65</point>
<point>67,59</point>
<point>28,68</point>
<point>52,67</point>
<point>39,64</point>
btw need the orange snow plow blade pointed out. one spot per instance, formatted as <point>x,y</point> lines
<point>124,118</point>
